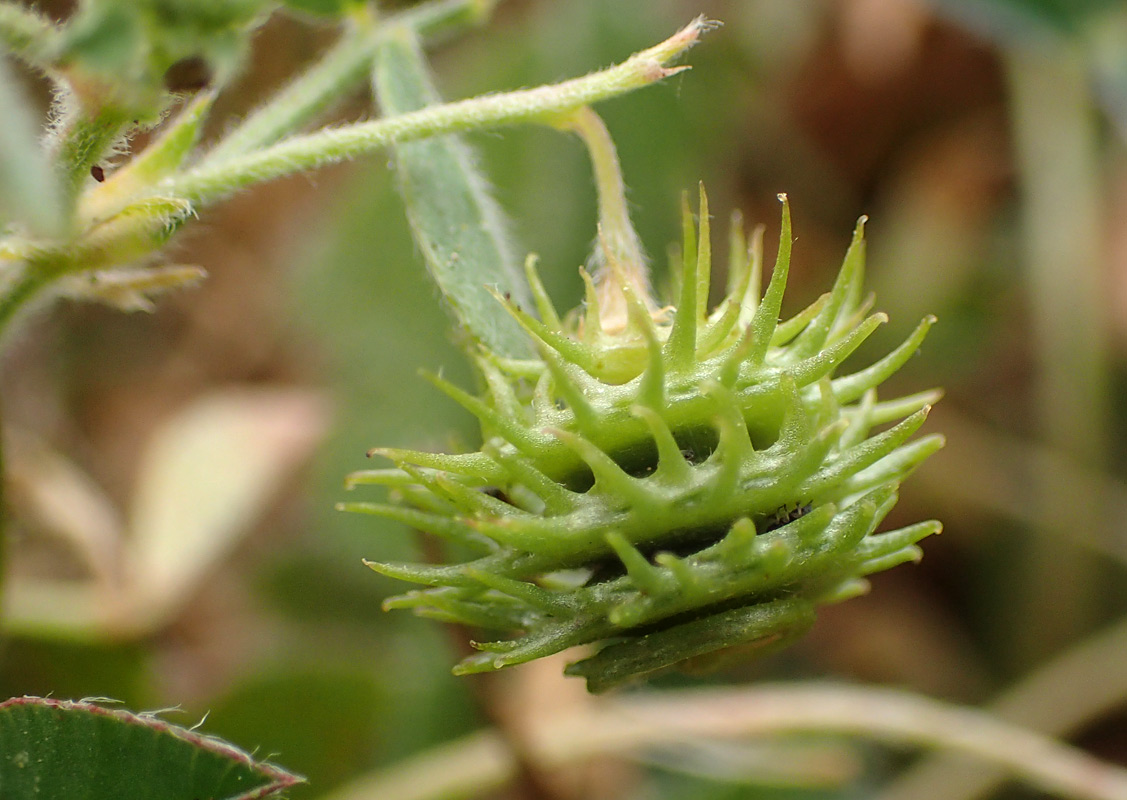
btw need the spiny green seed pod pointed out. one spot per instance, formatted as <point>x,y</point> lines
<point>666,483</point>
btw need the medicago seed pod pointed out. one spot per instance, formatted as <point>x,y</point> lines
<point>665,483</point>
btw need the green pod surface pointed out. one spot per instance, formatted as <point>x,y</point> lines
<point>667,483</point>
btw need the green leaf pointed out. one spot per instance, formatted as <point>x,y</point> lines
<point>127,52</point>
<point>457,225</point>
<point>83,751</point>
<point>323,8</point>
<point>29,190</point>
<point>1015,20</point>
<point>106,37</point>
<point>29,35</point>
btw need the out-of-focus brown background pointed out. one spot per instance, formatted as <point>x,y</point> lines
<point>984,139</point>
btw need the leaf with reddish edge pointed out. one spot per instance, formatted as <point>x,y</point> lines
<point>82,750</point>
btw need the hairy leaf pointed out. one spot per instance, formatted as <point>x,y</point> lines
<point>84,751</point>
<point>457,225</point>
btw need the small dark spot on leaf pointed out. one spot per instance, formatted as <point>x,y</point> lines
<point>98,173</point>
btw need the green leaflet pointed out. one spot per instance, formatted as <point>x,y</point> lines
<point>86,751</point>
<point>457,225</point>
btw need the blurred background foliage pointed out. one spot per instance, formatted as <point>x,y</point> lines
<point>985,140</point>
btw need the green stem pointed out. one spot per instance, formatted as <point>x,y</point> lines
<point>215,180</point>
<point>86,140</point>
<point>125,239</point>
<point>617,236</point>
<point>344,66</point>
<point>614,216</point>
<point>18,285</point>
<point>441,18</point>
<point>22,281</point>
<point>138,224</point>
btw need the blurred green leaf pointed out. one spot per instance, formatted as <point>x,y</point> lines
<point>324,723</point>
<point>457,225</point>
<point>34,665</point>
<point>374,324</point>
<point>323,8</point>
<point>1107,44</point>
<point>438,19</point>
<point>29,190</point>
<point>137,46</point>
<point>82,751</point>
<point>1063,14</point>
<point>1009,19</point>
<point>106,37</point>
<point>29,35</point>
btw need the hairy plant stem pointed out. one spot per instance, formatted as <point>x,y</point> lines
<point>214,180</point>
<point>86,140</point>
<point>126,238</point>
<point>21,281</point>
<point>459,229</point>
<point>614,217</point>
<point>618,256</point>
<point>342,67</point>
<point>83,140</point>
